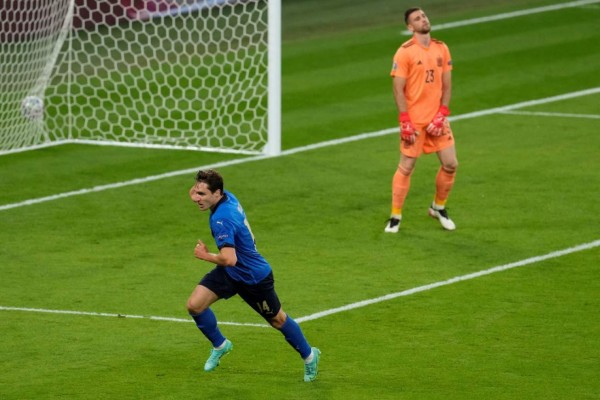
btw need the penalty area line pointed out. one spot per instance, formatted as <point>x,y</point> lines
<point>112,315</point>
<point>348,307</point>
<point>424,288</point>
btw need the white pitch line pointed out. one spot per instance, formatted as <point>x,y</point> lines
<point>334,142</point>
<point>552,114</point>
<point>509,15</point>
<point>530,103</point>
<point>99,314</point>
<point>450,281</point>
<point>352,306</point>
<point>129,183</point>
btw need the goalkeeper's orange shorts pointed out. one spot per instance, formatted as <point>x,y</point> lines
<point>425,143</point>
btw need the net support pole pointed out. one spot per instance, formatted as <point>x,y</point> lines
<point>273,146</point>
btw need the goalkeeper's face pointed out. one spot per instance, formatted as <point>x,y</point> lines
<point>203,197</point>
<point>418,22</point>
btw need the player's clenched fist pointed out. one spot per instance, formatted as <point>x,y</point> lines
<point>408,133</point>
<point>436,126</point>
<point>200,251</point>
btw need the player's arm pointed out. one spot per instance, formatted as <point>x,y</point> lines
<point>399,84</point>
<point>446,88</point>
<point>226,256</point>
<point>407,129</point>
<point>436,127</point>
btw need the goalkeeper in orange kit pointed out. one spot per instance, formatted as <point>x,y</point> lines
<point>422,84</point>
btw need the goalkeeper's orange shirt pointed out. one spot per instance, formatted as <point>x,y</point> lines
<point>422,68</point>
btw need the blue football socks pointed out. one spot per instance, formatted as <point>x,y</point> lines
<point>294,336</point>
<point>207,323</point>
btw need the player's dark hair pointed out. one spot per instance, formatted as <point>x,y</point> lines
<point>212,178</point>
<point>408,12</point>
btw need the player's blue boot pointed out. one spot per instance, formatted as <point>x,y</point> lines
<point>215,356</point>
<point>312,368</point>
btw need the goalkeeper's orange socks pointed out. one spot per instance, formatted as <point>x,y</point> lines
<point>400,187</point>
<point>444,181</point>
<point>443,185</point>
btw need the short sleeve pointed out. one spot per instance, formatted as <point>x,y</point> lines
<point>447,59</point>
<point>223,232</point>
<point>400,64</point>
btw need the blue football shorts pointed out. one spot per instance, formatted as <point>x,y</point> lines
<point>261,297</point>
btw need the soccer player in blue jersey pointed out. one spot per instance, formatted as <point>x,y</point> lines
<point>240,269</point>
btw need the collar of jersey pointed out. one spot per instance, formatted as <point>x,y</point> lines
<point>223,200</point>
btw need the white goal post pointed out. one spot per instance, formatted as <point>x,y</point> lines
<point>176,74</point>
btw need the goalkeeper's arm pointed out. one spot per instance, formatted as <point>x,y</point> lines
<point>408,132</point>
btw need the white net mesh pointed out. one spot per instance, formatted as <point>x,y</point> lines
<point>30,37</point>
<point>164,73</point>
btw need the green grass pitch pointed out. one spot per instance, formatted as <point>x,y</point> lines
<point>527,186</point>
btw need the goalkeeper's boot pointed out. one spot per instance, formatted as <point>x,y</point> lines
<point>312,368</point>
<point>442,215</point>
<point>215,356</point>
<point>393,225</point>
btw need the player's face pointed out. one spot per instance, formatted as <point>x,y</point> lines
<point>418,22</point>
<point>201,195</point>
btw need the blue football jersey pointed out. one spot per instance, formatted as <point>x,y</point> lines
<point>230,228</point>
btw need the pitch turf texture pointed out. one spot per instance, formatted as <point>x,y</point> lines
<point>527,187</point>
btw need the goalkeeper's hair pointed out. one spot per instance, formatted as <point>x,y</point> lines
<point>212,178</point>
<point>410,11</point>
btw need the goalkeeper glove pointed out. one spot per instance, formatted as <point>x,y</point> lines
<point>436,126</point>
<point>407,129</point>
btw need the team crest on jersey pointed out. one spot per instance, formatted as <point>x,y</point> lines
<point>440,62</point>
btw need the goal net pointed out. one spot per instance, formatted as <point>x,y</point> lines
<point>182,74</point>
